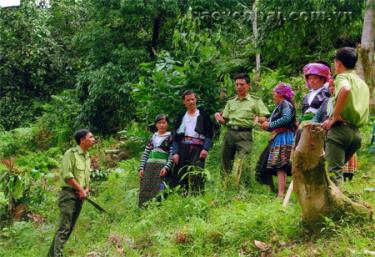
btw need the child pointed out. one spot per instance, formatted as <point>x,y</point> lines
<point>156,160</point>
<point>350,111</point>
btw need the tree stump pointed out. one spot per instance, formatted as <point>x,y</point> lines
<point>317,194</point>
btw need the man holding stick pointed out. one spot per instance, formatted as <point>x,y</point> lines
<point>75,178</point>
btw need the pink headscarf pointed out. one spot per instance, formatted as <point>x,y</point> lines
<point>284,90</point>
<point>316,69</point>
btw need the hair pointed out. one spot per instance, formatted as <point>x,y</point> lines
<point>160,117</point>
<point>347,56</point>
<point>321,77</point>
<point>324,63</point>
<point>243,76</point>
<point>79,134</point>
<point>188,92</point>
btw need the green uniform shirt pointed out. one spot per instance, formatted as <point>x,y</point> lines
<point>76,165</point>
<point>241,112</point>
<point>356,109</point>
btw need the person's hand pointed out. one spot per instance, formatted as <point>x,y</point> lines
<point>141,173</point>
<point>219,118</point>
<point>176,158</point>
<point>82,194</point>
<point>262,119</point>
<point>163,172</point>
<point>327,124</point>
<point>331,82</point>
<point>203,155</point>
<point>87,190</point>
<point>265,125</point>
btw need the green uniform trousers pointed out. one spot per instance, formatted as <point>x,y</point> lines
<point>236,142</point>
<point>70,208</point>
<point>342,142</point>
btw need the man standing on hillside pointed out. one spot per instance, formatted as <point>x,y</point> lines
<point>193,139</point>
<point>239,114</point>
<point>350,111</point>
<point>75,178</point>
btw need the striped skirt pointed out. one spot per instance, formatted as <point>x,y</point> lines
<point>151,183</point>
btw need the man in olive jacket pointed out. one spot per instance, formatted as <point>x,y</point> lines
<point>240,115</point>
<point>75,179</point>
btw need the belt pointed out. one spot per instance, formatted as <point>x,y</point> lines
<point>192,141</point>
<point>238,128</point>
<point>69,189</point>
<point>340,122</point>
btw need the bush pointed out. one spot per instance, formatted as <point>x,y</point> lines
<point>107,103</point>
<point>15,141</point>
<point>58,122</point>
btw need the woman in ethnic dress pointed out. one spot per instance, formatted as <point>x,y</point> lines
<point>275,160</point>
<point>156,161</point>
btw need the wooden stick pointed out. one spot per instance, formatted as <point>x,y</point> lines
<point>288,194</point>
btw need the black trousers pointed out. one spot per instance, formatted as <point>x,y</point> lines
<point>188,173</point>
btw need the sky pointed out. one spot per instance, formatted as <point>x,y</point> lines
<point>6,3</point>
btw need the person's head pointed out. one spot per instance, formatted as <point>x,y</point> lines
<point>161,123</point>
<point>190,100</point>
<point>242,82</point>
<point>316,74</point>
<point>282,91</point>
<point>345,58</point>
<point>84,138</point>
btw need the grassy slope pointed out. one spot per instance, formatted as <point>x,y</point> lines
<point>219,223</point>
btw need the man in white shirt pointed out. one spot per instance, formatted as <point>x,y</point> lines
<point>193,139</point>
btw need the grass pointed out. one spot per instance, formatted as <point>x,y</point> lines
<point>218,223</point>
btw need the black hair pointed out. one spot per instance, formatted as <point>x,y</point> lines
<point>347,56</point>
<point>160,117</point>
<point>188,92</point>
<point>321,77</point>
<point>243,76</point>
<point>79,134</point>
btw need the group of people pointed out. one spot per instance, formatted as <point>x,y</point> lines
<point>340,105</point>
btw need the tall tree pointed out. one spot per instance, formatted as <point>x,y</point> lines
<point>32,64</point>
<point>366,63</point>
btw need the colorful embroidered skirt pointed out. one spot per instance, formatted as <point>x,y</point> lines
<point>280,151</point>
<point>151,182</point>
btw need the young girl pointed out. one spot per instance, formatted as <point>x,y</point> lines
<point>156,160</point>
<point>281,124</point>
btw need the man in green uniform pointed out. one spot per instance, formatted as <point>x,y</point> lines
<point>239,114</point>
<point>351,110</point>
<point>75,178</point>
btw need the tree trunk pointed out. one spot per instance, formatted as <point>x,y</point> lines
<point>156,23</point>
<point>366,62</point>
<point>255,36</point>
<point>316,193</point>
